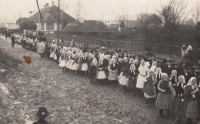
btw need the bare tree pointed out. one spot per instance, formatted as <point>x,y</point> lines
<point>173,15</point>
<point>196,17</point>
<point>79,13</point>
<point>63,8</point>
<point>145,21</point>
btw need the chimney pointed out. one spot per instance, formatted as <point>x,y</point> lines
<point>47,5</point>
<point>52,3</point>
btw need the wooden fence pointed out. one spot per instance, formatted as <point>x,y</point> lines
<point>132,45</point>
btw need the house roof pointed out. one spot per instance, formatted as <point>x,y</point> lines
<point>72,27</point>
<point>22,20</point>
<point>154,19</point>
<point>93,26</point>
<point>12,26</point>
<point>131,23</point>
<point>51,14</point>
<point>2,25</point>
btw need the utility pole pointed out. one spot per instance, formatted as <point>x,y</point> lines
<point>58,16</point>
<point>19,17</point>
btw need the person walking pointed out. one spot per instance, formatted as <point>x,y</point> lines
<point>41,48</point>
<point>13,40</point>
<point>42,114</point>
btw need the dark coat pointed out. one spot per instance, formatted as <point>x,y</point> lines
<point>40,121</point>
<point>187,78</point>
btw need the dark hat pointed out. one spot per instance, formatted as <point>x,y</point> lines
<point>42,113</point>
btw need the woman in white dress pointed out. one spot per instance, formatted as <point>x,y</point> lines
<point>143,71</point>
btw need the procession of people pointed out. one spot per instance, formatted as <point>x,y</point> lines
<point>167,85</point>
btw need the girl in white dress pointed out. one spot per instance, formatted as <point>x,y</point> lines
<point>143,71</point>
<point>123,79</point>
<point>62,62</point>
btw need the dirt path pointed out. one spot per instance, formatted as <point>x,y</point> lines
<point>70,99</point>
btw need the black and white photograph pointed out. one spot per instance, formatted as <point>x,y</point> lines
<point>99,61</point>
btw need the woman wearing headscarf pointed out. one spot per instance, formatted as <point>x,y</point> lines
<point>158,78</point>
<point>173,78</point>
<point>137,65</point>
<point>112,75</point>
<point>190,93</point>
<point>120,66</point>
<point>92,68</point>
<point>179,104</point>
<point>123,79</point>
<point>143,70</point>
<point>154,66</point>
<point>101,75</point>
<point>164,99</point>
<point>131,61</point>
<point>132,79</point>
<point>84,63</point>
<point>125,63</point>
<point>149,91</point>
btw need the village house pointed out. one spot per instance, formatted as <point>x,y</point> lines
<point>87,26</point>
<point>50,18</point>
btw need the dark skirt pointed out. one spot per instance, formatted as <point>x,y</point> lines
<point>131,84</point>
<point>164,101</point>
<point>179,107</point>
<point>149,91</point>
<point>79,66</point>
<point>192,110</point>
<point>92,72</point>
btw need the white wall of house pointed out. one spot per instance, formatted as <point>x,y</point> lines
<point>56,26</point>
<point>45,27</point>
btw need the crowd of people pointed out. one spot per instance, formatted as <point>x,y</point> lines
<point>165,84</point>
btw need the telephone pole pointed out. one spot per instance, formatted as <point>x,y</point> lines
<point>58,16</point>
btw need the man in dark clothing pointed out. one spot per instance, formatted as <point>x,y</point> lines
<point>186,75</point>
<point>42,114</point>
<point>168,68</point>
<point>13,40</point>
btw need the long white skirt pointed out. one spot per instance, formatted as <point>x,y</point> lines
<point>67,64</point>
<point>101,75</point>
<point>123,80</point>
<point>62,63</point>
<point>74,66</point>
<point>55,57</point>
<point>140,81</point>
<point>84,67</point>
<point>71,64</point>
<point>52,55</point>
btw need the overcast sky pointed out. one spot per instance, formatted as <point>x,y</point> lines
<point>92,9</point>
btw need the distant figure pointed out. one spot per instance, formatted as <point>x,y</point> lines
<point>41,48</point>
<point>13,40</point>
<point>42,114</point>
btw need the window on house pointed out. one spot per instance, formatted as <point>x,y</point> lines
<point>42,25</point>
<point>50,25</point>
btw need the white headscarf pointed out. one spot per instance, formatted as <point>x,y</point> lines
<point>190,81</point>
<point>131,61</point>
<point>132,70</point>
<point>100,61</point>
<point>182,77</point>
<point>112,61</point>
